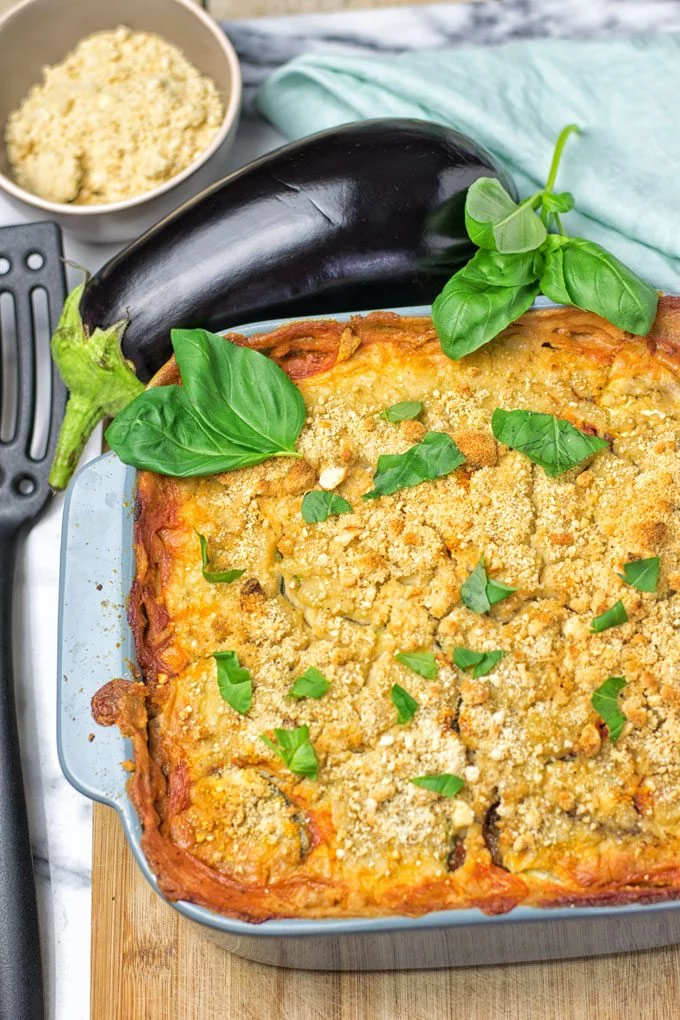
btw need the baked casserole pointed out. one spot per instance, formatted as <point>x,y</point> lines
<point>524,792</point>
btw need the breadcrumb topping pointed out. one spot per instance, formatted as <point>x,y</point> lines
<point>545,791</point>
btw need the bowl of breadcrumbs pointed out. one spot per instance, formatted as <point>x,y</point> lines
<point>113,115</point>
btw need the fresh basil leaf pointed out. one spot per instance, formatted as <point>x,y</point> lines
<point>405,705</point>
<point>552,443</point>
<point>610,618</point>
<point>215,576</point>
<point>494,221</point>
<point>435,456</point>
<point>487,202</point>
<point>160,431</point>
<point>642,574</point>
<point>422,663</point>
<point>319,505</point>
<point>312,684</point>
<point>557,201</point>
<point>295,750</point>
<point>477,663</point>
<point>581,273</point>
<point>468,314</point>
<point>406,411</point>
<point>445,784</point>
<point>496,591</point>
<point>235,408</point>
<point>234,682</point>
<point>500,269</point>
<point>480,592</point>
<point>240,393</point>
<point>605,703</point>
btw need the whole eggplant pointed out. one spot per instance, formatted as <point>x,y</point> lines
<point>369,215</point>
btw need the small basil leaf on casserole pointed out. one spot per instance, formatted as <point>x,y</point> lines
<point>422,663</point>
<point>215,576</point>
<point>294,749</point>
<point>605,702</point>
<point>435,456</point>
<point>234,681</point>
<point>311,684</point>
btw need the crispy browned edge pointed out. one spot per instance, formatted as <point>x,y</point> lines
<point>303,349</point>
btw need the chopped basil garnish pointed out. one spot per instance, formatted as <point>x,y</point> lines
<point>552,443</point>
<point>405,705</point>
<point>445,784</point>
<point>294,750</point>
<point>320,505</point>
<point>215,576</point>
<point>435,456</point>
<point>235,408</point>
<point>605,703</point>
<point>642,574</point>
<point>234,682</point>
<point>480,592</point>
<point>477,663</point>
<point>312,684</point>
<point>610,618</point>
<point>405,411</point>
<point>422,663</point>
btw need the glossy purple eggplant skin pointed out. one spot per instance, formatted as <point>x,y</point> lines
<point>367,215</point>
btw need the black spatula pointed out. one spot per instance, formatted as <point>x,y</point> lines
<point>32,399</point>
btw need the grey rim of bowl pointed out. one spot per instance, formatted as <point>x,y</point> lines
<point>232,106</point>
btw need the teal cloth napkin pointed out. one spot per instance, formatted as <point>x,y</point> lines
<point>624,170</point>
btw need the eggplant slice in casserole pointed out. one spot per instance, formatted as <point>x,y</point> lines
<point>551,810</point>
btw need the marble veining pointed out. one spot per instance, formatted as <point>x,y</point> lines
<point>60,817</point>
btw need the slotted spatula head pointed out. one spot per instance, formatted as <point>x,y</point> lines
<point>32,396</point>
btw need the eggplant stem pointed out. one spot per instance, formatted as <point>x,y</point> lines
<point>81,417</point>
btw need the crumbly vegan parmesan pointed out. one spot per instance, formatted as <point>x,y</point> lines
<point>121,114</point>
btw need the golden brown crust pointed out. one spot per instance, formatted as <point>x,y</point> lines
<point>540,822</point>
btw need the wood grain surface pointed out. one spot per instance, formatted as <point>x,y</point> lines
<point>149,963</point>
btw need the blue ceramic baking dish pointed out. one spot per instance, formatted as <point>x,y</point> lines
<point>95,644</point>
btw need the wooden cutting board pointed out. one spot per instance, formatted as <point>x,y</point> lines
<point>150,963</point>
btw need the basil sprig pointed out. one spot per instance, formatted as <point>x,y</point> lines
<point>520,257</point>
<point>642,574</point>
<point>605,702</point>
<point>476,663</point>
<point>422,663</point>
<point>553,443</point>
<point>435,456</point>
<point>311,684</point>
<point>446,784</point>
<point>479,592</point>
<point>405,705</point>
<point>295,750</point>
<point>319,505</point>
<point>215,576</point>
<point>613,617</point>
<point>407,410</point>
<point>235,408</point>
<point>234,682</point>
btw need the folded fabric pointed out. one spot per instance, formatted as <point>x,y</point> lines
<point>624,170</point>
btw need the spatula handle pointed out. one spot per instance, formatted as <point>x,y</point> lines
<point>21,991</point>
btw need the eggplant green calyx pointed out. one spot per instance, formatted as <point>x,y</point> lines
<point>100,381</point>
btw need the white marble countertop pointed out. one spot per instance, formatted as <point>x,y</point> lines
<point>60,817</point>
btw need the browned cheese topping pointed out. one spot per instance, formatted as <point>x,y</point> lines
<point>546,791</point>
